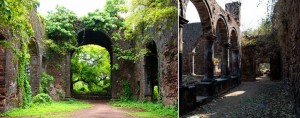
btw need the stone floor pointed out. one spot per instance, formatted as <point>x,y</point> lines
<point>262,98</point>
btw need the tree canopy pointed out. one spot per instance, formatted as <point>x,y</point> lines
<point>90,69</point>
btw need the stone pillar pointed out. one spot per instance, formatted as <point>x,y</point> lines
<point>225,60</point>
<point>193,63</point>
<point>182,21</point>
<point>68,76</point>
<point>34,74</point>
<point>235,62</point>
<point>208,41</point>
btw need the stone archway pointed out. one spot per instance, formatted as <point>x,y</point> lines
<point>151,70</point>
<point>34,66</point>
<point>99,38</point>
<point>205,14</point>
<point>234,53</point>
<point>221,46</point>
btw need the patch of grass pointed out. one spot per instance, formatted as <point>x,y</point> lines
<point>151,109</point>
<point>48,109</point>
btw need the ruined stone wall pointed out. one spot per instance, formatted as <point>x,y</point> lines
<point>9,95</point>
<point>248,69</point>
<point>38,48</point>
<point>191,39</point>
<point>167,50</point>
<point>167,43</point>
<point>57,67</point>
<point>286,22</point>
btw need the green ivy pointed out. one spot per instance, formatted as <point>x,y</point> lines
<point>14,14</point>
<point>146,19</point>
<point>127,94</point>
<point>45,83</point>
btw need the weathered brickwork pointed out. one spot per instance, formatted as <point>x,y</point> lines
<point>193,50</point>
<point>209,52</point>
<point>286,23</point>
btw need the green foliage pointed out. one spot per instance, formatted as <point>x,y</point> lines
<point>43,110</point>
<point>265,28</point>
<point>23,78</point>
<point>100,21</point>
<point>60,29</point>
<point>60,24</point>
<point>41,98</point>
<point>248,42</point>
<point>146,18</point>
<point>114,7</point>
<point>90,66</point>
<point>152,109</point>
<point>127,94</point>
<point>14,14</point>
<point>156,93</point>
<point>45,83</point>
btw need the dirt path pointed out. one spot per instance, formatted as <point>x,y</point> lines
<point>101,109</point>
<point>262,98</point>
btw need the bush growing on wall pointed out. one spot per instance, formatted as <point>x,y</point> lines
<point>45,83</point>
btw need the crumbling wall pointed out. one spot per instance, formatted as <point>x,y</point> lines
<point>286,22</point>
<point>248,72</point>
<point>57,67</point>
<point>166,44</point>
<point>36,59</point>
<point>8,86</point>
<point>193,46</point>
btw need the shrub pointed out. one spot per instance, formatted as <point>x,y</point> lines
<point>41,98</point>
<point>156,93</point>
<point>127,95</point>
<point>45,82</point>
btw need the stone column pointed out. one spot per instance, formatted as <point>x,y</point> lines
<point>68,75</point>
<point>225,60</point>
<point>235,62</point>
<point>34,74</point>
<point>193,63</point>
<point>182,21</point>
<point>208,41</point>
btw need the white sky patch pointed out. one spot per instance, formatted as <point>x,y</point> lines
<point>251,12</point>
<point>80,7</point>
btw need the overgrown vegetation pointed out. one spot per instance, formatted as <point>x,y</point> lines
<point>127,94</point>
<point>14,14</point>
<point>90,66</point>
<point>45,83</point>
<point>61,30</point>
<point>41,98</point>
<point>147,18</point>
<point>47,109</point>
<point>149,109</point>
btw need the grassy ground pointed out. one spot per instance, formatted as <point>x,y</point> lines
<point>44,110</point>
<point>148,109</point>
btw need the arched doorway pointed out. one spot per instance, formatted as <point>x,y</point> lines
<point>234,54</point>
<point>221,46</point>
<point>34,66</point>
<point>151,72</point>
<point>97,38</point>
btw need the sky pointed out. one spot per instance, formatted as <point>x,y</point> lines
<point>80,7</point>
<point>251,12</point>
